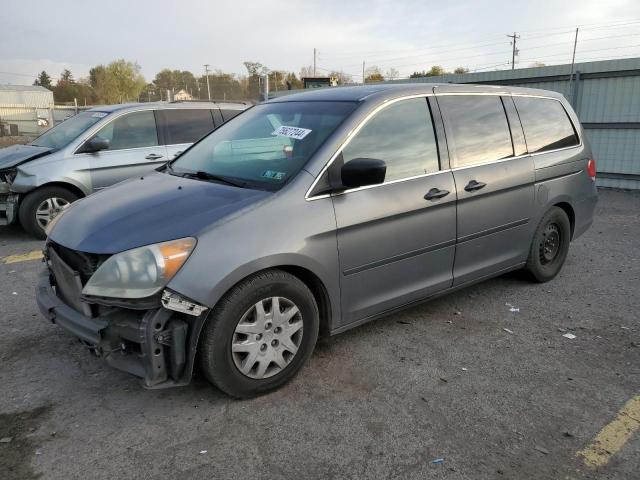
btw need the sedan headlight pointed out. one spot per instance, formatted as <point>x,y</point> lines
<point>140,272</point>
<point>8,176</point>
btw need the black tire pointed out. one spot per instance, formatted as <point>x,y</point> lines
<point>216,357</point>
<point>30,204</point>
<point>550,246</point>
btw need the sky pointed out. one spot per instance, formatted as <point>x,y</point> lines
<point>406,35</point>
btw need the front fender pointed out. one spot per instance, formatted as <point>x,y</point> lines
<point>246,270</point>
<point>34,175</point>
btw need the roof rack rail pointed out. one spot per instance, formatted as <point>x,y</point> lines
<point>243,102</point>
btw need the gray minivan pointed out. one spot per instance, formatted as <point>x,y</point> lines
<point>95,149</point>
<point>311,214</point>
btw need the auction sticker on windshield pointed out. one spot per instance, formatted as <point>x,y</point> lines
<point>296,133</point>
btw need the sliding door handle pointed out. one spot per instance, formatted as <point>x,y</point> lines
<point>472,186</point>
<point>435,194</point>
<point>153,156</point>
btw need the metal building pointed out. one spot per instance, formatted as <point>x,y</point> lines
<point>25,109</point>
<point>606,97</point>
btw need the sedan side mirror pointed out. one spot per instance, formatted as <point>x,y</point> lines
<point>96,144</point>
<point>361,172</point>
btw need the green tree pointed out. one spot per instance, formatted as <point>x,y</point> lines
<point>65,89</point>
<point>461,70</point>
<point>118,82</point>
<point>435,71</point>
<point>43,80</point>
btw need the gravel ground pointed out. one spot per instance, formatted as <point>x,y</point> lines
<point>442,380</point>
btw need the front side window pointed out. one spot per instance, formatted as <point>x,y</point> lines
<point>546,124</point>
<point>266,146</point>
<point>402,136</point>
<point>476,127</point>
<point>186,126</point>
<point>131,130</point>
<point>64,133</point>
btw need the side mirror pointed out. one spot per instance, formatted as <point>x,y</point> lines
<point>361,172</point>
<point>96,144</point>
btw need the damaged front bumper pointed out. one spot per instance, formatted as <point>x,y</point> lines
<point>152,344</point>
<point>8,205</point>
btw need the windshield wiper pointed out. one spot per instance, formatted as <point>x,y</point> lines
<point>202,175</point>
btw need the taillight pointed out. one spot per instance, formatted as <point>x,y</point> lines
<point>591,168</point>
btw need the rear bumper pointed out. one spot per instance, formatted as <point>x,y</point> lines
<point>150,344</point>
<point>584,212</point>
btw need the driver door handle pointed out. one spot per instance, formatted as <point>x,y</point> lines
<point>472,186</point>
<point>153,156</point>
<point>435,194</point>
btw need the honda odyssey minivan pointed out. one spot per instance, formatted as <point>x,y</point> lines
<point>95,149</point>
<point>311,214</point>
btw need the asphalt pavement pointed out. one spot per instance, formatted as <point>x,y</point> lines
<point>480,384</point>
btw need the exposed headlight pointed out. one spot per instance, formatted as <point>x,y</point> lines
<point>140,272</point>
<point>8,176</point>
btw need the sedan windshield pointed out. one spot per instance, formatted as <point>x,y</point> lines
<point>265,146</point>
<point>63,133</point>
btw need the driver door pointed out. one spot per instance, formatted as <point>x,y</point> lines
<point>133,149</point>
<point>396,240</point>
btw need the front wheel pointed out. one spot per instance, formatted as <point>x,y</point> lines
<point>260,334</point>
<point>41,206</point>
<point>550,245</point>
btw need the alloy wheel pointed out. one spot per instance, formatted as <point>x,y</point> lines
<point>48,209</point>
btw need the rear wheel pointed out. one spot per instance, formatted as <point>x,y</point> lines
<point>41,206</point>
<point>550,245</point>
<point>260,334</point>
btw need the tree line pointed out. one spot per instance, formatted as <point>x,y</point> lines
<point>121,81</point>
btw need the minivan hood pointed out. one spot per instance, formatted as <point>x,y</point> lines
<point>145,210</point>
<point>17,154</point>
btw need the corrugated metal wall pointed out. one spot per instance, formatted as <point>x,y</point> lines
<point>21,107</point>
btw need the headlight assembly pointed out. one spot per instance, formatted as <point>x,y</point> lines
<point>140,272</point>
<point>8,176</point>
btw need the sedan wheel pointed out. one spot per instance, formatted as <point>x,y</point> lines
<point>48,209</point>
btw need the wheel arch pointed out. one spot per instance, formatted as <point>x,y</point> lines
<point>75,189</point>
<point>328,307</point>
<point>568,209</point>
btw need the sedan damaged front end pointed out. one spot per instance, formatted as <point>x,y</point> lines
<point>119,307</point>
<point>8,199</point>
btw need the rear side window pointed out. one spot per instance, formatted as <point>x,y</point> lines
<point>402,136</point>
<point>477,128</point>
<point>132,130</point>
<point>186,125</point>
<point>546,124</point>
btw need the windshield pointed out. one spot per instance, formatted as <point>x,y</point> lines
<point>63,133</point>
<point>265,146</point>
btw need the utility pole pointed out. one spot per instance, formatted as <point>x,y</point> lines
<point>514,51</point>
<point>314,62</point>
<point>206,71</point>
<point>573,62</point>
<point>363,77</point>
